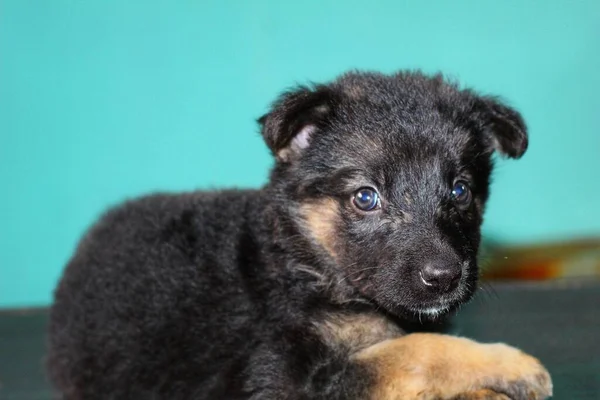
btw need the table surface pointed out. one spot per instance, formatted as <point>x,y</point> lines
<point>558,322</point>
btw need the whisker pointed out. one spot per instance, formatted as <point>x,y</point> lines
<point>354,273</point>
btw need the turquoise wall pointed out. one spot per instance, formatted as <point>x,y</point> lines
<point>100,100</point>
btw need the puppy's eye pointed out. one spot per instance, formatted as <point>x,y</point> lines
<point>461,193</point>
<point>366,199</point>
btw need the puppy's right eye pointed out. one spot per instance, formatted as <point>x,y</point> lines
<point>366,199</point>
<point>461,193</point>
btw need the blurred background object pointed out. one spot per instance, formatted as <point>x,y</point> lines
<point>104,100</point>
<point>536,262</point>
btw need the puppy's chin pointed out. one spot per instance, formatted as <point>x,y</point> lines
<point>435,311</point>
<point>411,308</point>
<point>427,313</point>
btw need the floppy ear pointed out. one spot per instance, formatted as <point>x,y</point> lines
<point>504,126</point>
<point>293,120</point>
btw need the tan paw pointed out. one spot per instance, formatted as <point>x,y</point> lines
<point>516,374</point>
<point>441,367</point>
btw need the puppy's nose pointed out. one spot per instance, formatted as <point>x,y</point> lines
<point>440,276</point>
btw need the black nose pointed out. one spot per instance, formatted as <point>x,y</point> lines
<point>440,276</point>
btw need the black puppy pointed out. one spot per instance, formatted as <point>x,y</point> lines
<point>301,290</point>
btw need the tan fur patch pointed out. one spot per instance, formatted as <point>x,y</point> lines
<point>433,366</point>
<point>321,219</point>
<point>356,331</point>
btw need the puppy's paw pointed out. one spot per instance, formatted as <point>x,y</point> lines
<point>441,367</point>
<point>516,374</point>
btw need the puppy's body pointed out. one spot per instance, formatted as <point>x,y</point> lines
<point>196,314</point>
<point>300,290</point>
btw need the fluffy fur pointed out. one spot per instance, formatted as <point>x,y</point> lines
<point>279,293</point>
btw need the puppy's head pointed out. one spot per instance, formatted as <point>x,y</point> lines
<point>381,181</point>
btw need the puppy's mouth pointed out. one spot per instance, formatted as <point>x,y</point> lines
<point>409,295</point>
<point>430,309</point>
<point>436,310</point>
<point>444,304</point>
<point>419,302</point>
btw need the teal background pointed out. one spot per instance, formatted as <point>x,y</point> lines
<point>103,100</point>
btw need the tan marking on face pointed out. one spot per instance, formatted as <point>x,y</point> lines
<point>356,331</point>
<point>434,366</point>
<point>407,199</point>
<point>322,217</point>
<point>406,217</point>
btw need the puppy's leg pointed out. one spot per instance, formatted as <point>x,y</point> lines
<point>432,366</point>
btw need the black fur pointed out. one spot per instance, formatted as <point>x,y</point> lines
<point>216,295</point>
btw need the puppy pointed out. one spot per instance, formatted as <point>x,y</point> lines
<point>303,289</point>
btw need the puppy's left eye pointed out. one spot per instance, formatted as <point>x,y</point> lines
<point>461,193</point>
<point>366,199</point>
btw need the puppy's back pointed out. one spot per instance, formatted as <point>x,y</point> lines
<point>143,288</point>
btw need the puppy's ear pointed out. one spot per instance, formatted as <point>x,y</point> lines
<point>293,120</point>
<point>503,125</point>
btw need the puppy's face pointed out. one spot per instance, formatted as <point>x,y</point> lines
<point>385,179</point>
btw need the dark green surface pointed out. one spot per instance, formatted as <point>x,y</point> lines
<point>559,323</point>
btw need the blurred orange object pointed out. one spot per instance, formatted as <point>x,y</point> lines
<point>543,261</point>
